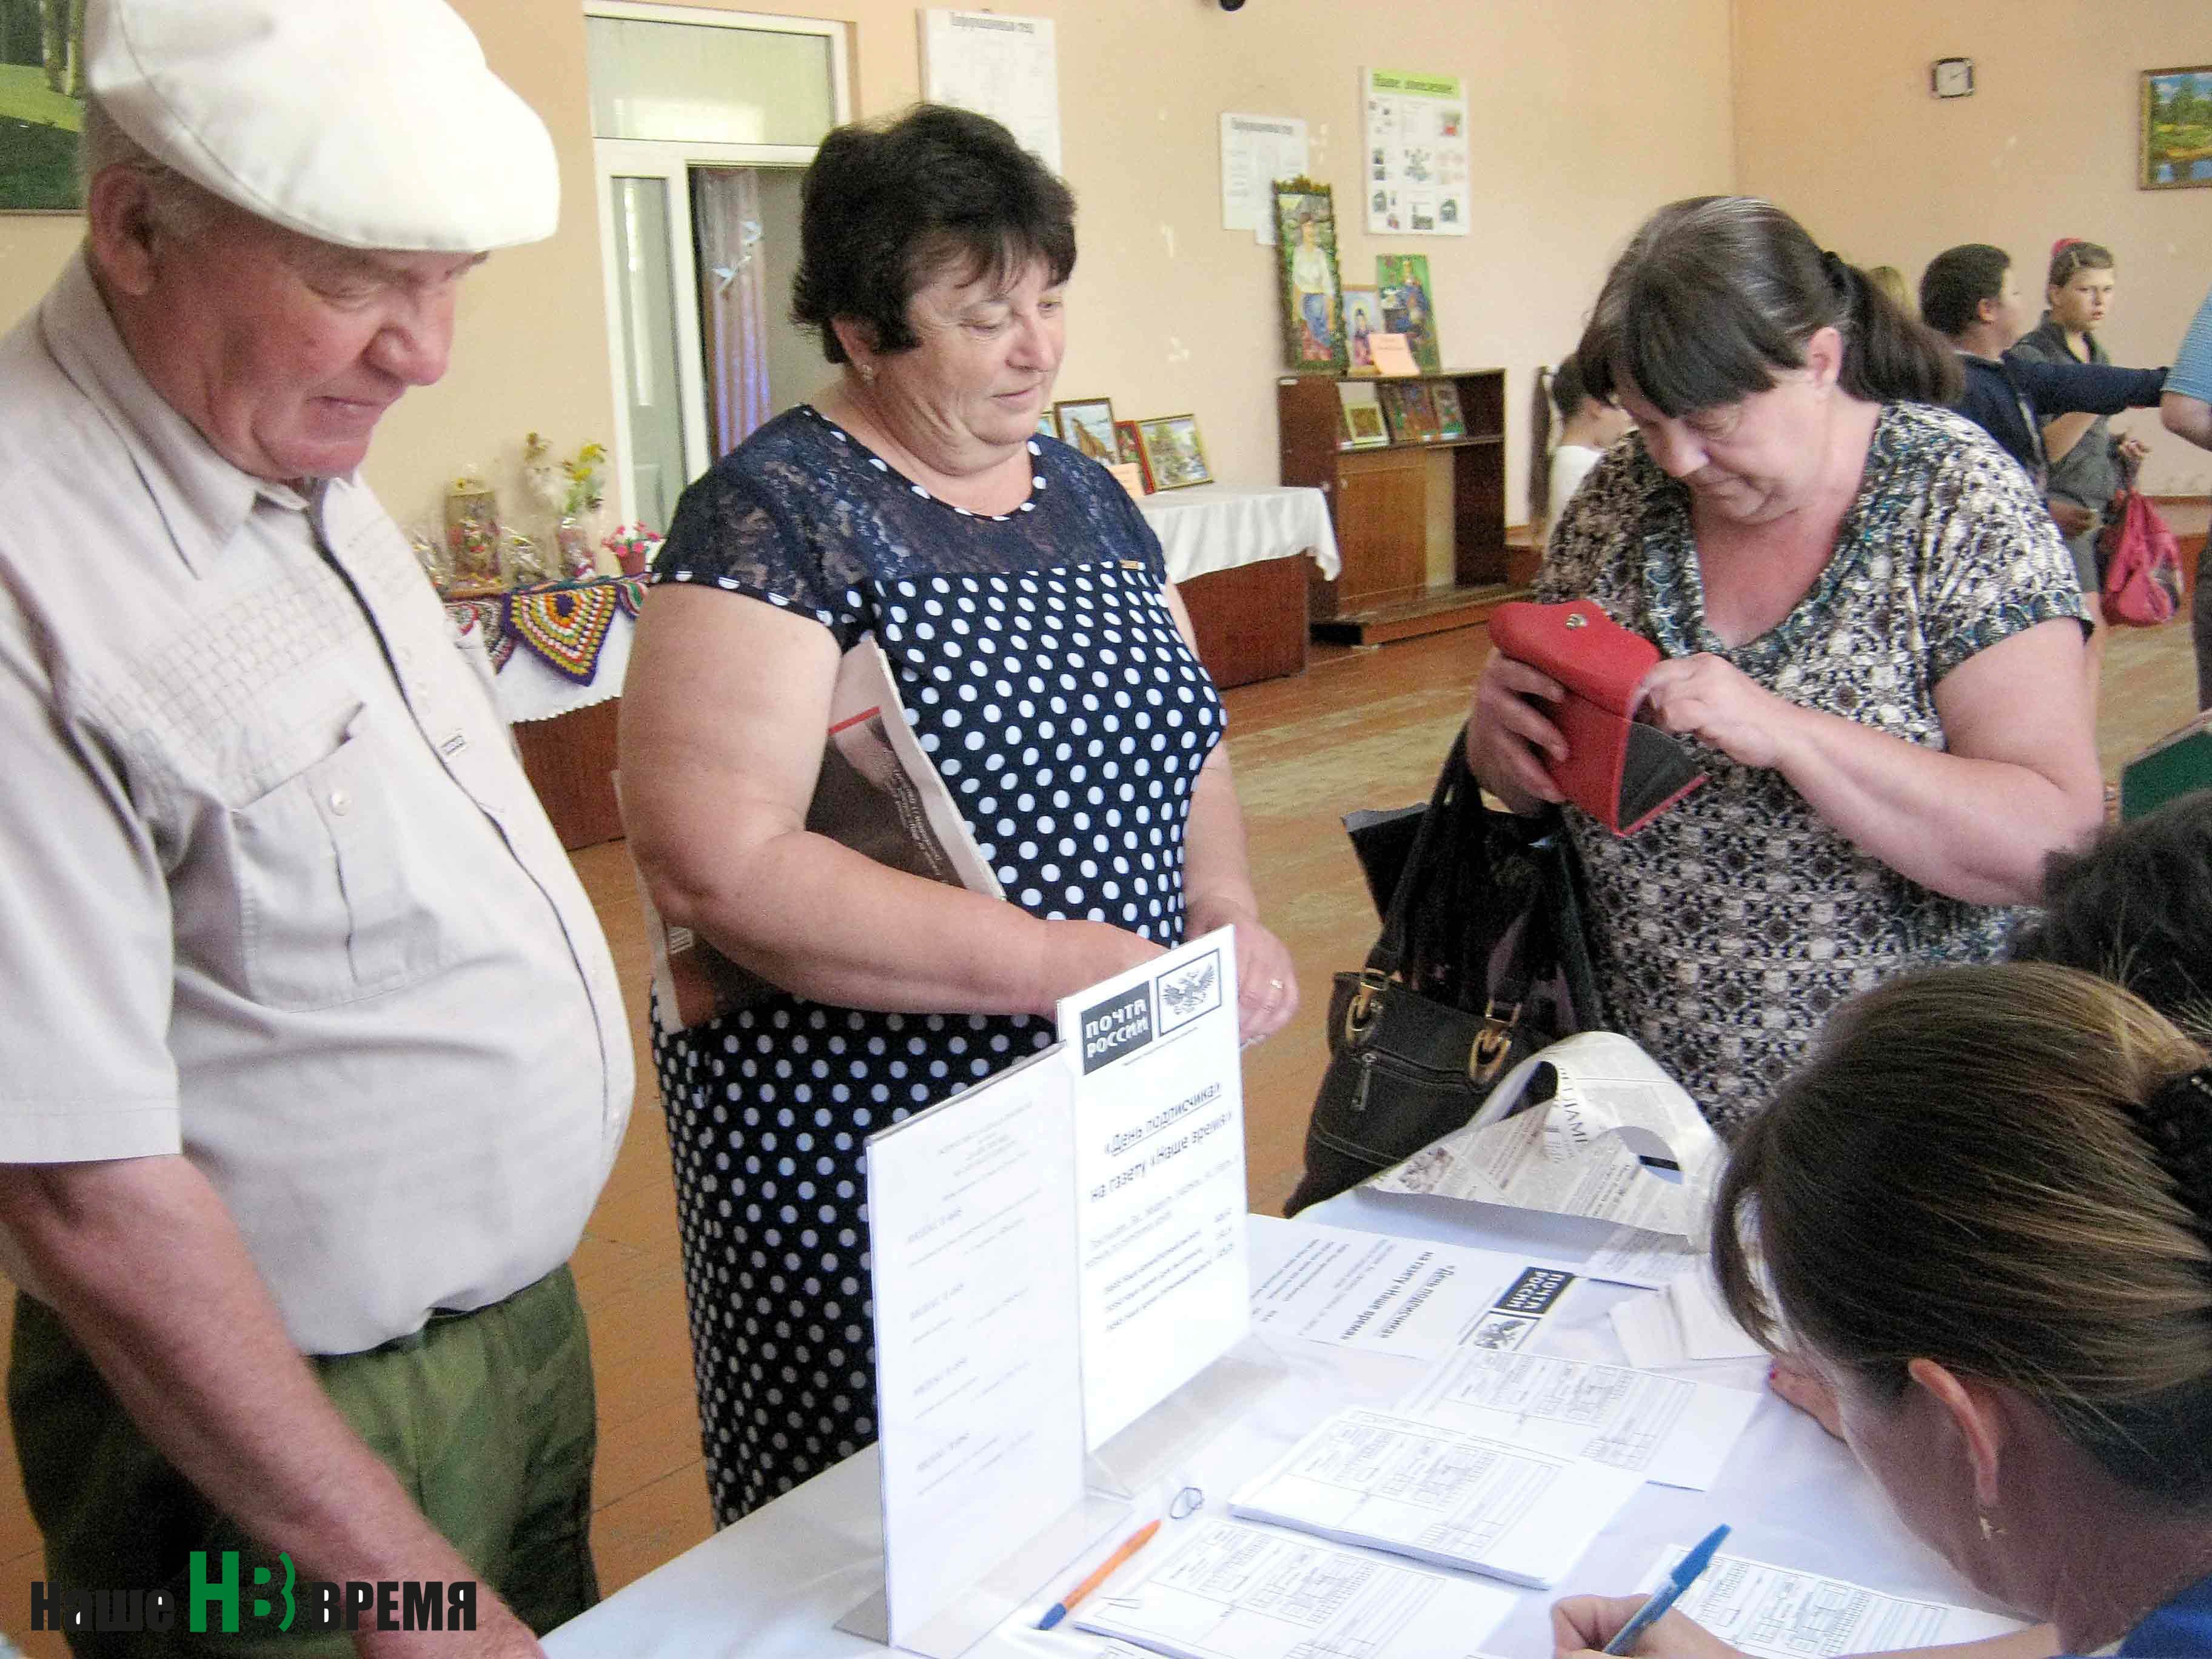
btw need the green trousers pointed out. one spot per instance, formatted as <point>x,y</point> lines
<point>488,1418</point>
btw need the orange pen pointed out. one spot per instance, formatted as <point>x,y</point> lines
<point>1066,1604</point>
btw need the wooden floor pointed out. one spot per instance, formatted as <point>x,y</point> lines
<point>1360,728</point>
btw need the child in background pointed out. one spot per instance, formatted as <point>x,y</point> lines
<point>1587,429</point>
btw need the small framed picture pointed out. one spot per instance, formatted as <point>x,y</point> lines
<point>1129,451</point>
<point>1046,426</point>
<point>1175,458</point>
<point>2175,148</point>
<point>1086,425</point>
<point>1451,420</point>
<point>1363,416</point>
<point>1362,318</point>
<point>1313,294</point>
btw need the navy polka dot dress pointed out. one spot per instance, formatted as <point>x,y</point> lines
<point>1041,668</point>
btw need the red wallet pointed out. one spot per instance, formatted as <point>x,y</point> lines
<point>1622,771</point>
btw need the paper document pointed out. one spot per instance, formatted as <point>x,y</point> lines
<point>1394,1295</point>
<point>1779,1613</point>
<point>1682,1325</point>
<point>1590,1126</point>
<point>1674,1432</point>
<point>1436,1494</point>
<point>998,64</point>
<point>972,1208</point>
<point>1232,1592</point>
<point>1631,1255</point>
<point>1255,151</point>
<point>1159,1175</point>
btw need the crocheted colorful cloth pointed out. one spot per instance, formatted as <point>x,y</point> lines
<point>565,626</point>
<point>471,615</point>
<point>630,593</point>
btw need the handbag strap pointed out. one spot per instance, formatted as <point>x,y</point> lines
<point>1388,954</point>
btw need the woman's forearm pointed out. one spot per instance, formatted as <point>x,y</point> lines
<point>1971,828</point>
<point>1217,872</point>
<point>830,924</point>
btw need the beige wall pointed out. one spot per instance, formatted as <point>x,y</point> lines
<point>1171,312</point>
<point>2045,148</point>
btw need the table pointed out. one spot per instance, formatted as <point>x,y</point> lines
<point>773,1586</point>
<point>1234,553</point>
<point>563,722</point>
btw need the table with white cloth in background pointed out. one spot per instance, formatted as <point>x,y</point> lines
<point>1236,555</point>
<point>560,653</point>
<point>775,1583</point>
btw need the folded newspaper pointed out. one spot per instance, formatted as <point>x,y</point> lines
<point>1590,1126</point>
<point>878,793</point>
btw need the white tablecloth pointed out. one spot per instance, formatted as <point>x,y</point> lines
<point>527,689</point>
<point>1214,527</point>
<point>775,1583</point>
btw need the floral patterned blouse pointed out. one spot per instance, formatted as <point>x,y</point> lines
<point>1726,930</point>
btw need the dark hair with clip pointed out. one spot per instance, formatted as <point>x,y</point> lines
<point>1716,294</point>
<point>2071,255</point>
<point>2006,1171</point>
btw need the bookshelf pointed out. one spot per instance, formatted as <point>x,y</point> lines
<point>1391,502</point>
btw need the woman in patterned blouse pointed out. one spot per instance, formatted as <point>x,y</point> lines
<point>1870,634</point>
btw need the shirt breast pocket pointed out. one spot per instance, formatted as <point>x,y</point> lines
<point>331,909</point>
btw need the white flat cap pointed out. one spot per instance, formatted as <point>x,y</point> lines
<point>372,124</point>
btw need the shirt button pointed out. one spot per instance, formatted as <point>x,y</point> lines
<point>341,801</point>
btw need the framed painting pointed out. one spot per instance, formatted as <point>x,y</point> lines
<point>1129,450</point>
<point>1362,320</point>
<point>1313,292</point>
<point>1086,425</point>
<point>2174,151</point>
<point>1406,308</point>
<point>42,105</point>
<point>1174,459</point>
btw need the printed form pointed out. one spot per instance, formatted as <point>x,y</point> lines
<point>1234,1592</point>
<point>1435,1494</point>
<point>1675,1432</point>
<point>1165,1282</point>
<point>1391,1295</point>
<point>1778,1613</point>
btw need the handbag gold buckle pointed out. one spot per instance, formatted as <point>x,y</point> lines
<point>1360,1013</point>
<point>1492,1044</point>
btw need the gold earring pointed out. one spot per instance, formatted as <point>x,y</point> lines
<point>867,373</point>
<point>1990,1528</point>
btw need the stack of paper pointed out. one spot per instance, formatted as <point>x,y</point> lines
<point>1674,1432</point>
<point>1437,1494</point>
<point>1234,1592</point>
<point>1684,1324</point>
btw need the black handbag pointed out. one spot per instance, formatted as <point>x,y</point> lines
<point>1482,961</point>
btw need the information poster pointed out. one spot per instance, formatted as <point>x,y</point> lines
<point>1255,151</point>
<point>1165,1283</point>
<point>1415,165</point>
<point>998,65</point>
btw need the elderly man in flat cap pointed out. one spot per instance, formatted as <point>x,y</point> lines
<point>315,1061</point>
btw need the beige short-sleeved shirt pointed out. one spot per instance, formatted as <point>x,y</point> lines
<point>274,891</point>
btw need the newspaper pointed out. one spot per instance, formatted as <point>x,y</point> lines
<point>878,793</point>
<point>1590,1126</point>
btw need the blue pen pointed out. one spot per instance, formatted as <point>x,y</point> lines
<point>1663,1599</point>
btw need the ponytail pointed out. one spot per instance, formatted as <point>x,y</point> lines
<point>1891,355</point>
<point>1540,449</point>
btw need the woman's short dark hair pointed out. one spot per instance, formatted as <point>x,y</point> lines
<point>1717,293</point>
<point>2135,907</point>
<point>2006,1171</point>
<point>885,209</point>
<point>1956,282</point>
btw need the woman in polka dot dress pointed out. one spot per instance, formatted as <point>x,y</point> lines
<point>1043,661</point>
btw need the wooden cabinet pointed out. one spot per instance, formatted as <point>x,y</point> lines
<point>1420,526</point>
